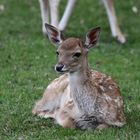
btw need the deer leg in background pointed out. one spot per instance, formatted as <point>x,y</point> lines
<point>116,32</point>
<point>67,13</point>
<point>54,4</point>
<point>44,13</point>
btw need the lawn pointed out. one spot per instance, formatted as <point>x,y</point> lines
<point>27,59</point>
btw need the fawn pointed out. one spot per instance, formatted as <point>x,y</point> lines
<point>81,97</point>
<point>53,6</point>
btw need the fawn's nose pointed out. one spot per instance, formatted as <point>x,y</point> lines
<point>59,67</point>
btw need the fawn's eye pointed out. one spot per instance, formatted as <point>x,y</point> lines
<point>57,53</point>
<point>78,54</point>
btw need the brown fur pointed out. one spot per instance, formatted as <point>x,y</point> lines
<point>81,97</point>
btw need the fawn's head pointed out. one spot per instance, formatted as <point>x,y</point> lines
<point>73,51</point>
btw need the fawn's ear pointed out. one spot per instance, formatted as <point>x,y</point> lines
<point>92,37</point>
<point>54,34</point>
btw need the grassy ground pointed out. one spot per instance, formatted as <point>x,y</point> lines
<point>27,60</point>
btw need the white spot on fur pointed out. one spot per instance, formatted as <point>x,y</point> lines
<point>102,88</point>
<point>108,97</point>
<point>110,87</point>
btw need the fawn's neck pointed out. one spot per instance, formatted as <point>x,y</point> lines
<point>81,79</point>
<point>81,86</point>
<point>80,76</point>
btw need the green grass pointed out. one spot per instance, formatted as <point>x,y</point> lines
<point>27,59</point>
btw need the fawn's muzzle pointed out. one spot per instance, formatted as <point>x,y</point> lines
<point>59,68</point>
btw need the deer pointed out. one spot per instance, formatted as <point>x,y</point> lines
<point>50,8</point>
<point>81,97</point>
